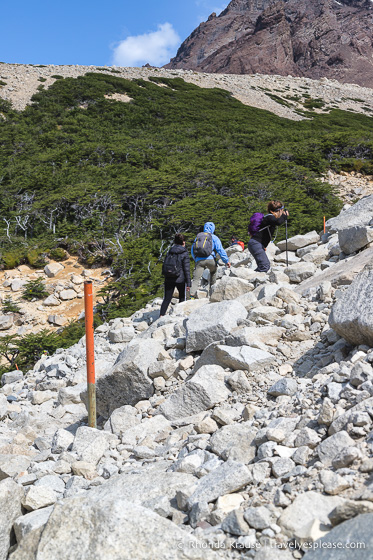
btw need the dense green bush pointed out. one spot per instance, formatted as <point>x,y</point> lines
<point>9,306</point>
<point>36,258</point>
<point>34,289</point>
<point>58,254</point>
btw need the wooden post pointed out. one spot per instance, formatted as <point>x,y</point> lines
<point>90,352</point>
<point>324,224</point>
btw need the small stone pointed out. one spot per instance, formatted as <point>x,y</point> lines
<point>52,269</point>
<point>333,483</point>
<point>345,457</point>
<point>286,386</point>
<point>85,469</point>
<point>159,383</point>
<point>258,517</point>
<point>229,502</point>
<point>37,497</point>
<point>206,426</point>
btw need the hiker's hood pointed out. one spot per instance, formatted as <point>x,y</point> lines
<point>178,249</point>
<point>209,227</point>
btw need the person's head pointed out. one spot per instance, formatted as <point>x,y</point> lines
<point>209,227</point>
<point>275,206</point>
<point>179,239</point>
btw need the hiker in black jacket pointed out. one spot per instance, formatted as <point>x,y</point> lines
<point>276,216</point>
<point>178,274</point>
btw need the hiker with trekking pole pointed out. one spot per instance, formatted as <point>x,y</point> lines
<point>262,231</point>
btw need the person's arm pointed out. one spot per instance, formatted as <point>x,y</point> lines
<point>218,248</point>
<point>191,250</point>
<point>273,221</point>
<point>186,269</point>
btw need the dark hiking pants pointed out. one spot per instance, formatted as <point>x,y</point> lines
<point>169,287</point>
<point>260,256</point>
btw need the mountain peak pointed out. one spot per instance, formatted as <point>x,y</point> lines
<point>322,38</point>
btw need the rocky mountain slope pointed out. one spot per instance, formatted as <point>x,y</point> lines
<point>234,427</point>
<point>283,96</point>
<point>322,38</point>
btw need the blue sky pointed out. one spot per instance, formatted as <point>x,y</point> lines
<point>125,33</point>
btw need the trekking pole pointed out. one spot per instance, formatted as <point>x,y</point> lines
<point>90,352</point>
<point>286,235</point>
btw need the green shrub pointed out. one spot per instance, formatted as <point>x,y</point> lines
<point>11,259</point>
<point>36,258</point>
<point>42,79</point>
<point>58,254</point>
<point>9,306</point>
<point>35,289</point>
<point>2,83</point>
<point>313,103</point>
<point>57,77</point>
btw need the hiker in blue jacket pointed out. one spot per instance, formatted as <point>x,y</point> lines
<point>207,261</point>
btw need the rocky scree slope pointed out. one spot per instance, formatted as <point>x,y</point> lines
<point>322,38</point>
<point>231,428</point>
<point>283,96</point>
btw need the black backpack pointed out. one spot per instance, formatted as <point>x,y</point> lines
<point>202,247</point>
<point>172,266</point>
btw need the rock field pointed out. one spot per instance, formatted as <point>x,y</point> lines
<point>257,90</point>
<point>237,426</point>
<point>64,281</point>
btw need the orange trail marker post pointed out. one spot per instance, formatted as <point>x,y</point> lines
<point>324,224</point>
<point>90,352</point>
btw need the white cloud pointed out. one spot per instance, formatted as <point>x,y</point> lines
<point>155,47</point>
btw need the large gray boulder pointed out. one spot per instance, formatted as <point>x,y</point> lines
<point>339,274</point>
<point>212,323</point>
<point>305,509</point>
<point>299,272</point>
<point>11,465</point>
<point>145,488</point>
<point>227,478</point>
<point>6,321</point>
<point>127,382</point>
<point>11,376</point>
<point>90,444</point>
<point>10,508</point>
<point>52,269</point>
<point>251,335</point>
<point>359,214</point>
<point>206,389</point>
<point>3,406</point>
<point>235,441</point>
<point>331,446</point>
<point>354,540</point>
<point>31,521</point>
<point>230,288</point>
<point>352,314</point>
<point>243,357</point>
<point>122,419</point>
<point>109,527</point>
<point>354,238</point>
<point>299,241</point>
